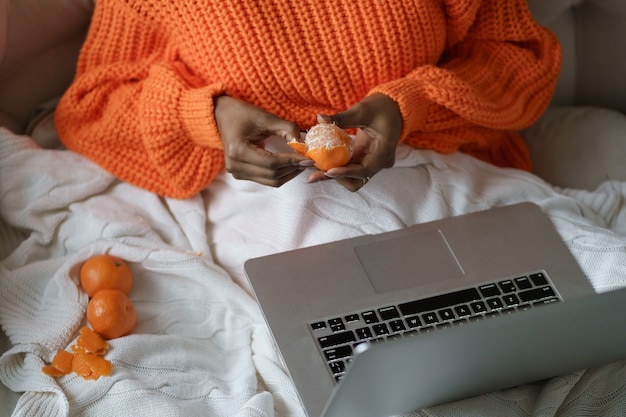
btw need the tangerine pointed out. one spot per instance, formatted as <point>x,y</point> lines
<point>327,144</point>
<point>105,272</point>
<point>111,313</point>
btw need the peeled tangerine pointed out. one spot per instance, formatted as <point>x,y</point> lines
<point>326,144</point>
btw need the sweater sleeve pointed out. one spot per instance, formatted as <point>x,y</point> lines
<point>496,76</point>
<point>135,110</point>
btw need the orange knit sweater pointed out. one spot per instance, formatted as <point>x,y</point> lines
<point>465,73</point>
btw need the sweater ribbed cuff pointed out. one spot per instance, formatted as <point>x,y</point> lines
<point>198,114</point>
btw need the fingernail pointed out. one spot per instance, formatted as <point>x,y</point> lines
<point>331,175</point>
<point>323,118</point>
<point>306,163</point>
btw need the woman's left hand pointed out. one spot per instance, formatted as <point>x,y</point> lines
<point>379,124</point>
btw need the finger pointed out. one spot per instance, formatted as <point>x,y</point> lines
<point>274,125</point>
<point>345,119</point>
<point>253,154</point>
<point>264,175</point>
<point>276,182</point>
<point>362,142</point>
<point>352,184</point>
<point>353,117</point>
<point>317,176</point>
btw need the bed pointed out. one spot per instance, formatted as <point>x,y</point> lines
<point>201,347</point>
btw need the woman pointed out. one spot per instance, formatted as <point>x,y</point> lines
<point>169,92</point>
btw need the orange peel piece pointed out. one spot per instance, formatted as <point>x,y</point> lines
<point>63,361</point>
<point>86,361</point>
<point>299,147</point>
<point>51,371</point>
<point>327,158</point>
<point>61,364</point>
<point>90,342</point>
<point>91,366</point>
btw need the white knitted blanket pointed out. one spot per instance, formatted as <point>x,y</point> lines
<point>200,347</point>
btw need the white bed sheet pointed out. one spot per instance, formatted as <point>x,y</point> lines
<point>200,347</point>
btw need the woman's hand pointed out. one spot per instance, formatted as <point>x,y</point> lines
<point>243,128</point>
<point>379,124</point>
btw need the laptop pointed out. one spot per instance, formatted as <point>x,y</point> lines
<point>382,324</point>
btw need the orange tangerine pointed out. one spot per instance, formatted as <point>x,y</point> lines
<point>105,272</point>
<point>326,144</point>
<point>111,314</point>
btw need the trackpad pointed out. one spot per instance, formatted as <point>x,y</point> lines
<point>409,261</point>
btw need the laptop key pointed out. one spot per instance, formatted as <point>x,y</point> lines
<point>397,326</point>
<point>338,367</point>
<point>523,283</point>
<point>546,301</point>
<point>336,325</point>
<point>489,290</point>
<point>380,329</point>
<point>319,325</point>
<point>439,301</point>
<point>536,294</point>
<point>336,339</point>
<point>478,307</point>
<point>369,317</point>
<point>446,314</point>
<point>495,303</point>
<point>539,279</point>
<point>388,313</point>
<point>351,318</point>
<point>338,352</point>
<point>510,299</point>
<point>413,322</point>
<point>507,286</point>
<point>364,333</point>
<point>430,318</point>
<point>462,311</point>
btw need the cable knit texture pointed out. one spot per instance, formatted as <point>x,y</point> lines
<point>466,74</point>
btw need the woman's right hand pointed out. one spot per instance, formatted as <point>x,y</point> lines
<point>243,128</point>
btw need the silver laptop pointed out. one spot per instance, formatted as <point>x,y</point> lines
<point>382,324</point>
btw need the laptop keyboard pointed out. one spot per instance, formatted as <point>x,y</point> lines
<point>338,336</point>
